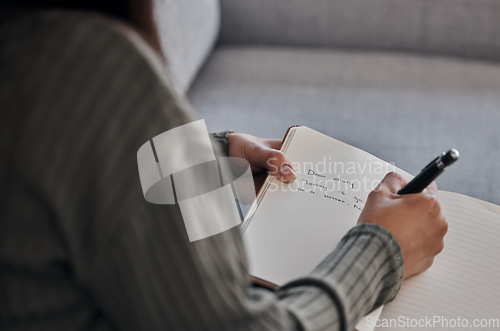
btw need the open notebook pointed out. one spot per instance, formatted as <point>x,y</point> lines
<point>290,228</point>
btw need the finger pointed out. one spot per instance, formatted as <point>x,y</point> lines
<point>282,167</point>
<point>276,162</point>
<point>433,187</point>
<point>392,183</point>
<point>431,190</point>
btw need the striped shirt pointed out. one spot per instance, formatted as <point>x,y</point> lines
<point>81,249</point>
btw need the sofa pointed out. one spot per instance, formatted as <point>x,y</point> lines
<point>401,79</point>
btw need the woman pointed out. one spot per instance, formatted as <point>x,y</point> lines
<point>82,88</point>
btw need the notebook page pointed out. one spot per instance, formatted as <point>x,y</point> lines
<point>286,238</point>
<point>464,281</point>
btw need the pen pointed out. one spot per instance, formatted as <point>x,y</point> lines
<point>430,172</point>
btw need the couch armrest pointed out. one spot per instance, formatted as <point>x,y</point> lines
<point>188,30</point>
<point>452,27</point>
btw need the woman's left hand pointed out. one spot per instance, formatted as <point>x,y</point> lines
<point>262,154</point>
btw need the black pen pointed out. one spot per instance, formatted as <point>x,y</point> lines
<point>430,172</point>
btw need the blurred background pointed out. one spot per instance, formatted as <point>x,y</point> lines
<point>401,79</point>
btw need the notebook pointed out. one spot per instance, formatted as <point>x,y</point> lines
<point>290,228</point>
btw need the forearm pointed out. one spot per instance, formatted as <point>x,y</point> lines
<point>363,272</point>
<point>204,285</point>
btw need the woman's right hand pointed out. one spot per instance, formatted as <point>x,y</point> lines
<point>415,220</point>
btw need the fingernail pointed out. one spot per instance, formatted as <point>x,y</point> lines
<point>287,174</point>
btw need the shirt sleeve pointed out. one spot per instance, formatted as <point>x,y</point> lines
<point>134,258</point>
<point>219,140</point>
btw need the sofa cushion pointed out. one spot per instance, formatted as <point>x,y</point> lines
<point>402,108</point>
<point>452,27</point>
<point>188,30</point>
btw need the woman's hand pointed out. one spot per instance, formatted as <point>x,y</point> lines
<point>415,220</point>
<point>262,154</point>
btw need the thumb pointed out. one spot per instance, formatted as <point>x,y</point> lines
<point>277,164</point>
<point>391,183</point>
